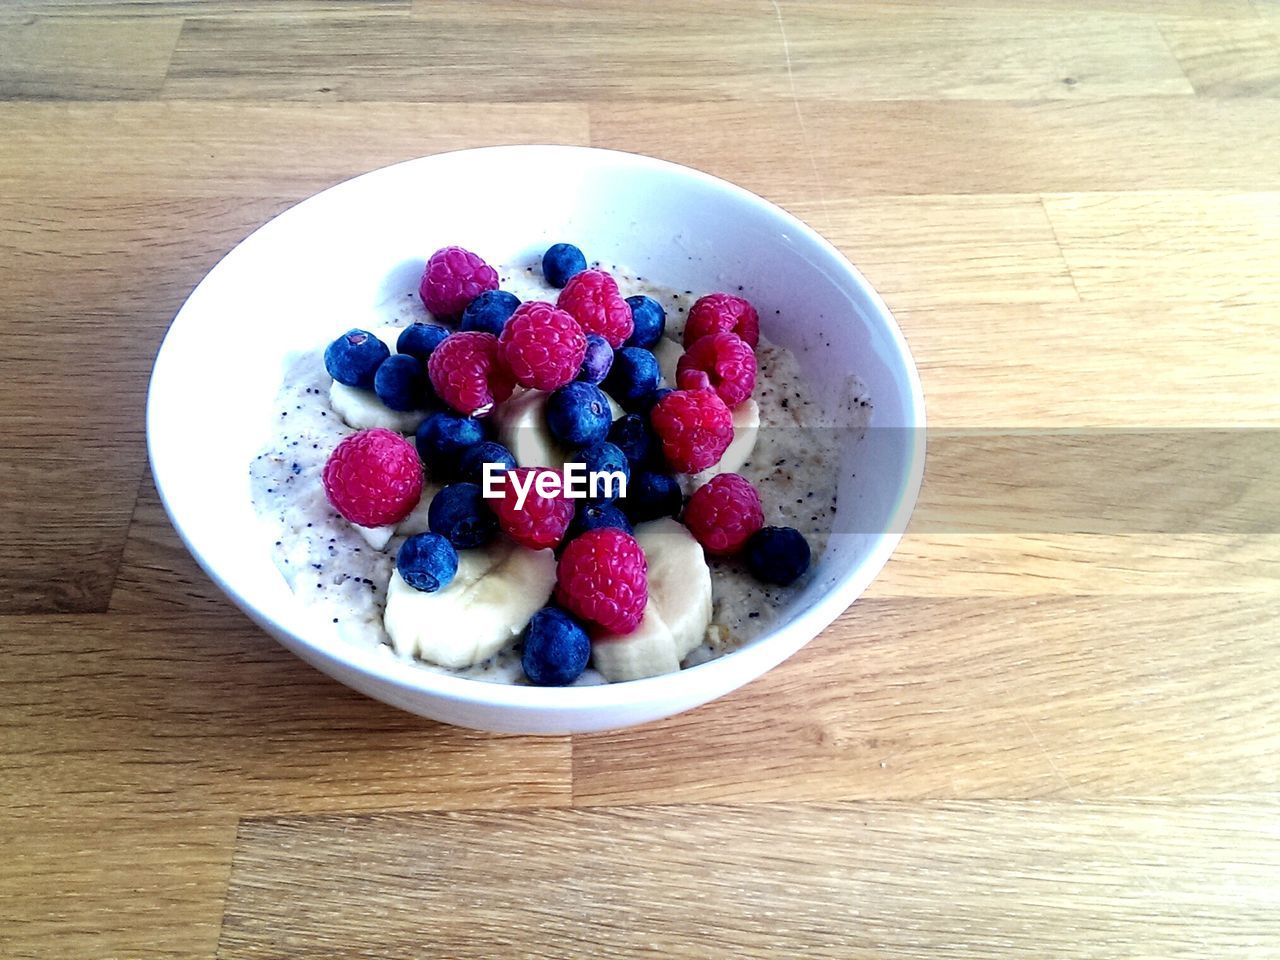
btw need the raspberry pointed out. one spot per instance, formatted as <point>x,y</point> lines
<point>727,360</point>
<point>723,513</point>
<point>721,312</point>
<point>373,478</point>
<point>452,279</point>
<point>543,346</point>
<point>541,521</point>
<point>468,374</point>
<point>603,577</point>
<point>695,428</point>
<point>592,298</point>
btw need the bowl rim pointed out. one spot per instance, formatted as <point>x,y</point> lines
<point>690,684</point>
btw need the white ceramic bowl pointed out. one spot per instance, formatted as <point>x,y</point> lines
<point>299,280</point>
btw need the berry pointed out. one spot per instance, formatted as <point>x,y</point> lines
<point>723,513</point>
<point>721,312</point>
<point>460,514</point>
<point>691,379</point>
<point>443,437</point>
<point>632,435</point>
<point>777,555</point>
<point>543,346</point>
<point>542,521</point>
<point>634,376</point>
<point>401,382</point>
<point>578,414</point>
<point>419,339</point>
<point>728,362</point>
<point>593,300</point>
<point>602,577</point>
<point>373,478</point>
<point>593,516</point>
<point>695,428</point>
<point>603,457</point>
<point>468,374</point>
<point>556,648</point>
<point>597,361</point>
<point>489,312</point>
<point>562,261</point>
<point>471,464</point>
<point>648,321</point>
<point>427,562</point>
<point>646,404</point>
<point>651,495</point>
<point>453,278</point>
<point>354,358</point>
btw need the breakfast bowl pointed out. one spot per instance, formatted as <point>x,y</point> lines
<point>319,267</point>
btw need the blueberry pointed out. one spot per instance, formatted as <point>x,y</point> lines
<point>777,555</point>
<point>651,495</point>
<point>598,359</point>
<point>562,261</point>
<point>634,376</point>
<point>578,414</point>
<point>471,465</point>
<point>419,339</point>
<point>632,435</point>
<point>427,562</point>
<point>459,514</point>
<point>443,437</point>
<point>401,382</point>
<point>489,312</point>
<point>592,516</point>
<point>354,358</point>
<point>602,457</point>
<point>650,321</point>
<point>646,403</point>
<point>556,648</point>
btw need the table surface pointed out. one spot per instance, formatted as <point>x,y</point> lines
<point>1048,729</point>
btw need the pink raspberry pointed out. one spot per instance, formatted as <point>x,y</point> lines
<point>603,577</point>
<point>723,513</point>
<point>453,278</point>
<point>468,374</point>
<point>373,478</point>
<point>592,298</point>
<point>541,521</point>
<point>543,346</point>
<point>695,428</point>
<point>728,362</point>
<point>720,312</point>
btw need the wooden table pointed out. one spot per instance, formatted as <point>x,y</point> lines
<point>1050,727</point>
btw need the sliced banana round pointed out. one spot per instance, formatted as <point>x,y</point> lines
<point>362,410</point>
<point>746,431</point>
<point>415,522</point>
<point>648,651</point>
<point>668,353</point>
<point>521,423</point>
<point>489,601</point>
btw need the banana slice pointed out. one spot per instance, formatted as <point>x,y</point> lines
<point>362,410</point>
<point>415,522</point>
<point>647,651</point>
<point>494,593</point>
<point>522,428</point>
<point>746,430</point>
<point>668,353</point>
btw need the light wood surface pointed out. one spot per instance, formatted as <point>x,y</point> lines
<point>1049,729</point>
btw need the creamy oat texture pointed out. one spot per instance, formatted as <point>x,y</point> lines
<point>341,571</point>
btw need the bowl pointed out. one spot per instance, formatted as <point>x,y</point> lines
<point>299,280</point>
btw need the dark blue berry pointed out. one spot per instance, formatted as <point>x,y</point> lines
<point>646,403</point>
<point>354,358</point>
<point>777,555</point>
<point>489,312</point>
<point>419,339</point>
<point>556,648</point>
<point>471,465</point>
<point>443,437</point>
<point>592,516</point>
<point>632,434</point>
<point>651,495</point>
<point>401,382</point>
<point>650,321</point>
<point>562,261</point>
<point>427,562</point>
<point>597,361</point>
<point>634,376</point>
<point>459,514</point>
<point>602,457</point>
<point>578,414</point>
